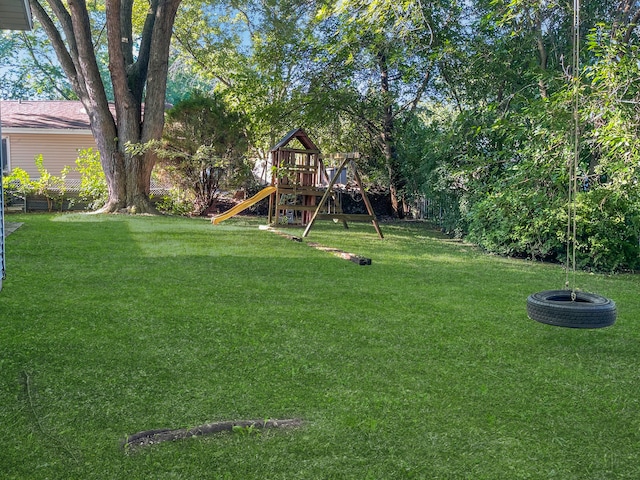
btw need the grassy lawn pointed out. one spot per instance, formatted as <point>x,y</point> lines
<point>421,365</point>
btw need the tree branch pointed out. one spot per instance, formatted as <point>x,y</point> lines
<point>138,70</point>
<point>151,437</point>
<point>205,66</point>
<point>126,30</point>
<point>631,26</point>
<point>65,58</point>
<point>86,59</point>
<point>42,68</point>
<point>158,68</point>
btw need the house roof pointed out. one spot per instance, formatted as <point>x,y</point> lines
<point>44,114</point>
<point>302,137</point>
<point>15,15</point>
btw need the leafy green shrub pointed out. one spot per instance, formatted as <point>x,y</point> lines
<point>519,223</point>
<point>176,202</point>
<point>93,184</point>
<point>608,227</point>
<point>533,223</point>
<point>17,183</point>
<point>511,167</point>
<point>203,149</point>
<point>52,187</point>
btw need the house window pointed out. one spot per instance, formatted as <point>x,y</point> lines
<point>4,158</point>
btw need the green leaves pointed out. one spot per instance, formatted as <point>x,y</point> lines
<point>18,182</point>
<point>203,148</point>
<point>93,185</point>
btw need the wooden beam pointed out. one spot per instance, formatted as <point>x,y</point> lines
<point>297,208</point>
<point>300,190</point>
<point>351,217</point>
<point>366,199</point>
<point>352,257</point>
<point>324,197</point>
<point>299,150</point>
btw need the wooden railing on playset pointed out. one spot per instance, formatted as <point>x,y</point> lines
<point>296,182</point>
<point>298,179</point>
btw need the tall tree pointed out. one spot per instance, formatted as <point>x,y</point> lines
<point>380,61</point>
<point>514,89</point>
<point>138,64</point>
<point>257,52</point>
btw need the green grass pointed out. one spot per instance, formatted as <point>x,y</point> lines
<point>422,365</point>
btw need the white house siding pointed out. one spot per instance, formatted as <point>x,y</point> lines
<point>58,150</point>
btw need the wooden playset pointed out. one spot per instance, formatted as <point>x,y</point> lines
<point>301,190</point>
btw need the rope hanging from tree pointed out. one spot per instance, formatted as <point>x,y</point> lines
<point>572,237</point>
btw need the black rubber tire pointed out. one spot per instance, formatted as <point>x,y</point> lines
<point>555,307</point>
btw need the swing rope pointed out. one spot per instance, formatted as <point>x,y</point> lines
<point>572,237</point>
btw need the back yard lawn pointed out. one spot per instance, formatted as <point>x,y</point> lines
<point>421,365</point>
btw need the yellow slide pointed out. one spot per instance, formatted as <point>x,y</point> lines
<point>265,192</point>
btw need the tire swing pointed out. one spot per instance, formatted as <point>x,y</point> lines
<point>571,308</point>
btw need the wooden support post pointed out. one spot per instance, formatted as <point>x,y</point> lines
<point>366,199</point>
<point>271,204</point>
<point>324,198</point>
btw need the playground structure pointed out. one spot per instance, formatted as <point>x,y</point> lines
<point>301,191</point>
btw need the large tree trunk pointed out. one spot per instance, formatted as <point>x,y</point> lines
<point>542,52</point>
<point>136,82</point>
<point>387,141</point>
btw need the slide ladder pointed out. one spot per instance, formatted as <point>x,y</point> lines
<point>265,192</point>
